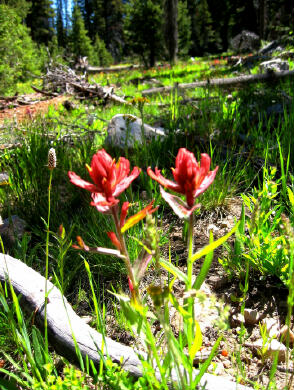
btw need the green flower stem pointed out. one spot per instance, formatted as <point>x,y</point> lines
<point>47,266</point>
<point>124,251</point>
<point>190,300</point>
<point>190,252</point>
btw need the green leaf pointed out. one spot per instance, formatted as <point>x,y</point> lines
<point>207,362</point>
<point>197,341</point>
<point>178,205</point>
<point>211,247</point>
<point>173,270</point>
<point>291,196</point>
<point>38,347</point>
<point>205,267</point>
<point>8,385</point>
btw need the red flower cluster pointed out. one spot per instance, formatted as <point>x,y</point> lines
<point>110,179</point>
<point>191,179</point>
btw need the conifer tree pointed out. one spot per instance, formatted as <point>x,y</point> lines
<point>101,56</point>
<point>184,28</point>
<point>40,20</point>
<point>80,42</point>
<point>60,29</point>
<point>201,27</point>
<point>143,29</point>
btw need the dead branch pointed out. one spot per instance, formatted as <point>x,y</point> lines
<point>46,93</point>
<point>62,79</point>
<point>244,79</point>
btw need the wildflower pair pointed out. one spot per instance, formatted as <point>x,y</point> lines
<point>111,179</point>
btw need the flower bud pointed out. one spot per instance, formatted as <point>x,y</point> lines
<point>52,159</point>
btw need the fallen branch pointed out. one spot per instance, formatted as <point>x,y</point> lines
<point>63,323</point>
<point>43,92</point>
<point>245,79</point>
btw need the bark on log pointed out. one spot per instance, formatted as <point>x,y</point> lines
<point>63,323</point>
<point>245,79</point>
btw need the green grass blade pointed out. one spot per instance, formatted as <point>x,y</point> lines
<point>205,267</point>
<point>204,251</point>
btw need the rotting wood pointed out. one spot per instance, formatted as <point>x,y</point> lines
<point>221,82</point>
<point>63,323</point>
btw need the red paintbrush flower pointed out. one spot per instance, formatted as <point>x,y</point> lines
<point>191,178</point>
<point>110,179</point>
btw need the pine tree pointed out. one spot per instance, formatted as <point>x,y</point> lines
<point>80,42</point>
<point>184,28</point>
<point>40,20</point>
<point>60,29</point>
<point>202,34</point>
<point>171,29</point>
<point>143,29</point>
<point>101,56</point>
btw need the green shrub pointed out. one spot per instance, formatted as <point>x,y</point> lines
<point>18,53</point>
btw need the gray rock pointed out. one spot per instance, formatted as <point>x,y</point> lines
<point>11,229</point>
<point>269,48</point>
<point>246,41</point>
<point>125,130</point>
<point>4,178</point>
<point>276,65</point>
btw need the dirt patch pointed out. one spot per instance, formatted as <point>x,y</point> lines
<point>37,105</point>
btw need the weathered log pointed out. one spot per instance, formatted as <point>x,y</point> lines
<point>97,69</point>
<point>63,323</point>
<point>244,79</point>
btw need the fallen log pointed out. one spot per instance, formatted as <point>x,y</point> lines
<point>97,69</point>
<point>63,323</point>
<point>243,79</point>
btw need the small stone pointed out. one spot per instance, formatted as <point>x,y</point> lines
<point>285,332</point>
<point>217,281</point>
<point>212,227</point>
<point>4,179</point>
<point>227,363</point>
<point>251,316</point>
<point>216,368</point>
<point>236,320</point>
<point>271,349</point>
<point>272,327</point>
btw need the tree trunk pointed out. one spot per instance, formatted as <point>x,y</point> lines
<point>171,29</point>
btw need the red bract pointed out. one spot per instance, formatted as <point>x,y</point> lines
<point>191,179</point>
<point>110,179</point>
